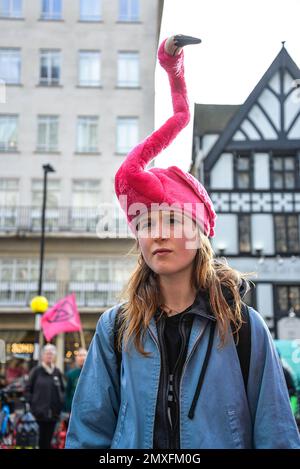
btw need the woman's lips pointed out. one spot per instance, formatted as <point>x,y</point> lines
<point>161,253</point>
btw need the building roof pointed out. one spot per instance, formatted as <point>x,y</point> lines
<point>213,118</point>
<point>282,61</point>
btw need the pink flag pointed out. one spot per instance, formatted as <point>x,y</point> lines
<point>62,317</point>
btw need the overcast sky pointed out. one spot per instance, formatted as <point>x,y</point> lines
<point>240,39</point>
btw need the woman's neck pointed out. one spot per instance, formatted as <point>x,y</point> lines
<point>176,293</point>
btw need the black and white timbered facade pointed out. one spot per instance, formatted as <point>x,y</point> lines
<point>248,157</point>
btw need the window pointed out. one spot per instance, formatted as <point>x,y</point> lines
<point>51,9</point>
<point>128,69</point>
<point>127,133</point>
<point>90,10</point>
<point>9,196</point>
<point>8,133</point>
<point>243,171</point>
<point>47,133</point>
<point>87,134</point>
<point>286,231</point>
<point>98,282</point>
<point>244,222</point>
<point>86,197</point>
<point>104,270</point>
<point>19,279</point>
<point>53,200</point>
<point>284,172</point>
<point>89,68</point>
<point>129,10</point>
<point>9,191</point>
<point>50,67</point>
<point>25,269</point>
<point>86,193</point>
<point>53,192</point>
<point>89,271</point>
<point>10,8</point>
<point>287,297</point>
<point>10,66</point>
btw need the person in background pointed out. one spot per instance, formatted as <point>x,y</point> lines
<point>45,393</point>
<point>72,377</point>
<point>15,369</point>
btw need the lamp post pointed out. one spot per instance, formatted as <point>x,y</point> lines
<point>39,304</point>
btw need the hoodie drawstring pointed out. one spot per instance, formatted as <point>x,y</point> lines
<point>203,371</point>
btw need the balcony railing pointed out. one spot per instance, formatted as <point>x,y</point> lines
<point>88,294</point>
<point>103,221</point>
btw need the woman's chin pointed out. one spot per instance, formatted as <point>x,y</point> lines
<point>164,270</point>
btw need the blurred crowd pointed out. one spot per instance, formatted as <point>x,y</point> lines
<point>48,391</point>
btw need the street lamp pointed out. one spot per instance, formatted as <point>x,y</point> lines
<point>39,304</point>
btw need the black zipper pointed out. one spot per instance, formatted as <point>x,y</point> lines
<point>165,380</point>
<point>175,433</point>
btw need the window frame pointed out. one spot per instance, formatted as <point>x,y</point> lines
<point>8,191</point>
<point>16,54</point>
<point>128,83</point>
<point>51,15</point>
<point>53,188</point>
<point>295,171</point>
<point>48,120</point>
<point>123,119</point>
<point>289,286</point>
<point>90,84</point>
<point>240,217</point>
<point>87,149</point>
<point>51,55</point>
<point>90,18</point>
<point>9,148</point>
<point>128,17</point>
<point>12,11</point>
<point>237,171</point>
<point>286,230</point>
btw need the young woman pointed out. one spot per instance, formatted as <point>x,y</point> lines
<point>180,381</point>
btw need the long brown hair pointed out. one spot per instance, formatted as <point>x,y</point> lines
<point>141,295</point>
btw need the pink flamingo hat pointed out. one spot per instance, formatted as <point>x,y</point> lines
<point>140,190</point>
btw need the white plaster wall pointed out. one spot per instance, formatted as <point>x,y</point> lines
<point>222,172</point>
<point>264,299</point>
<point>262,233</point>
<point>208,142</point>
<point>261,171</point>
<point>226,234</point>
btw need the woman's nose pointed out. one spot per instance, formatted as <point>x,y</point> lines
<point>161,231</point>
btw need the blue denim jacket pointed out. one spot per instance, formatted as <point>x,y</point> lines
<point>108,415</point>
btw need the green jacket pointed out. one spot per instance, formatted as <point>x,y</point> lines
<point>72,379</point>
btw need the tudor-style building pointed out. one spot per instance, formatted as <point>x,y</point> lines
<point>248,157</point>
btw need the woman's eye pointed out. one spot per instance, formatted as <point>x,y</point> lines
<point>146,225</point>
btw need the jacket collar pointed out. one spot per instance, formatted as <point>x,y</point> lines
<point>201,306</point>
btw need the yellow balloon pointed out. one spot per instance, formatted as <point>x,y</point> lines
<point>39,304</point>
